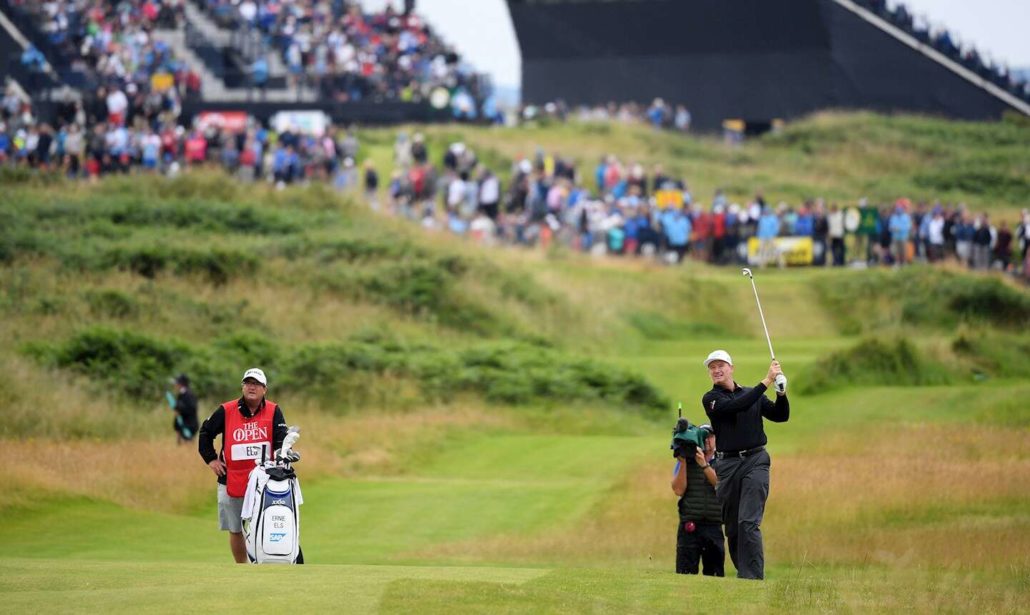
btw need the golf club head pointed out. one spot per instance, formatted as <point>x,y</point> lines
<point>747,272</point>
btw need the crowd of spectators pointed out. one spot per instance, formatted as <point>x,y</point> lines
<point>945,42</point>
<point>112,44</point>
<point>333,46</point>
<point>350,55</point>
<point>617,207</point>
<point>89,143</point>
<point>658,114</point>
<point>622,209</point>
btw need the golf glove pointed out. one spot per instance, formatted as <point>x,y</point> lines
<point>781,384</point>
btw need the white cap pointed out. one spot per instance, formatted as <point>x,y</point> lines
<point>259,375</point>
<point>718,355</point>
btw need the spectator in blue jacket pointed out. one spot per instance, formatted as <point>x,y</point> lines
<point>900,226</point>
<point>768,228</point>
<point>676,227</point>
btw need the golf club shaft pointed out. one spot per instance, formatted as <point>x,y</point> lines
<point>772,355</point>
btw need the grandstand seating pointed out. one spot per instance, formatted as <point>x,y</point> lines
<point>334,48</point>
<point>345,53</point>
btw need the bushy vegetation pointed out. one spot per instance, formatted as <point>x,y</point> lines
<point>196,226</point>
<point>874,361</point>
<point>364,369</point>
<point>133,363</point>
<point>992,354</point>
<point>934,298</point>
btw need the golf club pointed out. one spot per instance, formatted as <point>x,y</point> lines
<point>781,380</point>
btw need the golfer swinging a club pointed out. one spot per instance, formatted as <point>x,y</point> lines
<point>742,462</point>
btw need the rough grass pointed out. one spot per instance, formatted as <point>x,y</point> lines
<point>876,362</point>
<point>893,504</point>
<point>931,298</point>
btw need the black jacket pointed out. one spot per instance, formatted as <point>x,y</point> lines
<point>186,407</point>
<point>737,415</point>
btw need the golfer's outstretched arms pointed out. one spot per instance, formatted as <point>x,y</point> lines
<point>723,403</point>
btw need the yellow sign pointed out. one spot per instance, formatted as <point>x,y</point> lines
<point>788,250</point>
<point>668,198</point>
<point>160,82</point>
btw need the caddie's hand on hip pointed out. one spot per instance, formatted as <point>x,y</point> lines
<point>218,467</point>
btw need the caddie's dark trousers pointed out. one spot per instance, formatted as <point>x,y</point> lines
<point>742,491</point>
<point>704,545</point>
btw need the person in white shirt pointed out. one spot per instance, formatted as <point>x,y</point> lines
<point>835,224</point>
<point>935,236</point>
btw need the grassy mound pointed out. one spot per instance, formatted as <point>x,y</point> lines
<point>202,228</point>
<point>990,353</point>
<point>866,302</point>
<point>875,362</point>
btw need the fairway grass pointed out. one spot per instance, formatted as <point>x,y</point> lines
<point>64,586</point>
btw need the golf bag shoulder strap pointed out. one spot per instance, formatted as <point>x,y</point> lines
<point>246,440</point>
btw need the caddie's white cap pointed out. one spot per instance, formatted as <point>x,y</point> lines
<point>256,374</point>
<point>718,355</point>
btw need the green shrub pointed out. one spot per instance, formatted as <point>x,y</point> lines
<point>352,249</point>
<point>501,372</point>
<point>217,265</point>
<point>253,348</point>
<point>874,361</point>
<point>992,354</point>
<point>418,288</point>
<point>132,363</point>
<point>139,365</point>
<point>922,296</point>
<point>990,300</point>
<point>111,303</point>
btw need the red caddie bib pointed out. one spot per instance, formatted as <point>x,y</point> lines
<point>245,441</point>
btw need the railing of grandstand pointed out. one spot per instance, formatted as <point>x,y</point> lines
<point>60,57</point>
<point>943,42</point>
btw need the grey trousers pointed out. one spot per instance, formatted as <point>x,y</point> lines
<point>742,491</point>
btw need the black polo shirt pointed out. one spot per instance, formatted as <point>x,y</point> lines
<point>737,415</point>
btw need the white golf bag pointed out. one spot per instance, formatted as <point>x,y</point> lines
<point>271,508</point>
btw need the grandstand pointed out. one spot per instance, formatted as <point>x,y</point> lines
<point>754,60</point>
<point>255,55</point>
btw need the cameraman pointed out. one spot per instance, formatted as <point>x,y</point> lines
<point>699,536</point>
<point>736,413</point>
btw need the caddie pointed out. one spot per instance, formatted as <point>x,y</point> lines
<point>252,427</point>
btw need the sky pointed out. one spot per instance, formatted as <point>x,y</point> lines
<point>482,30</point>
